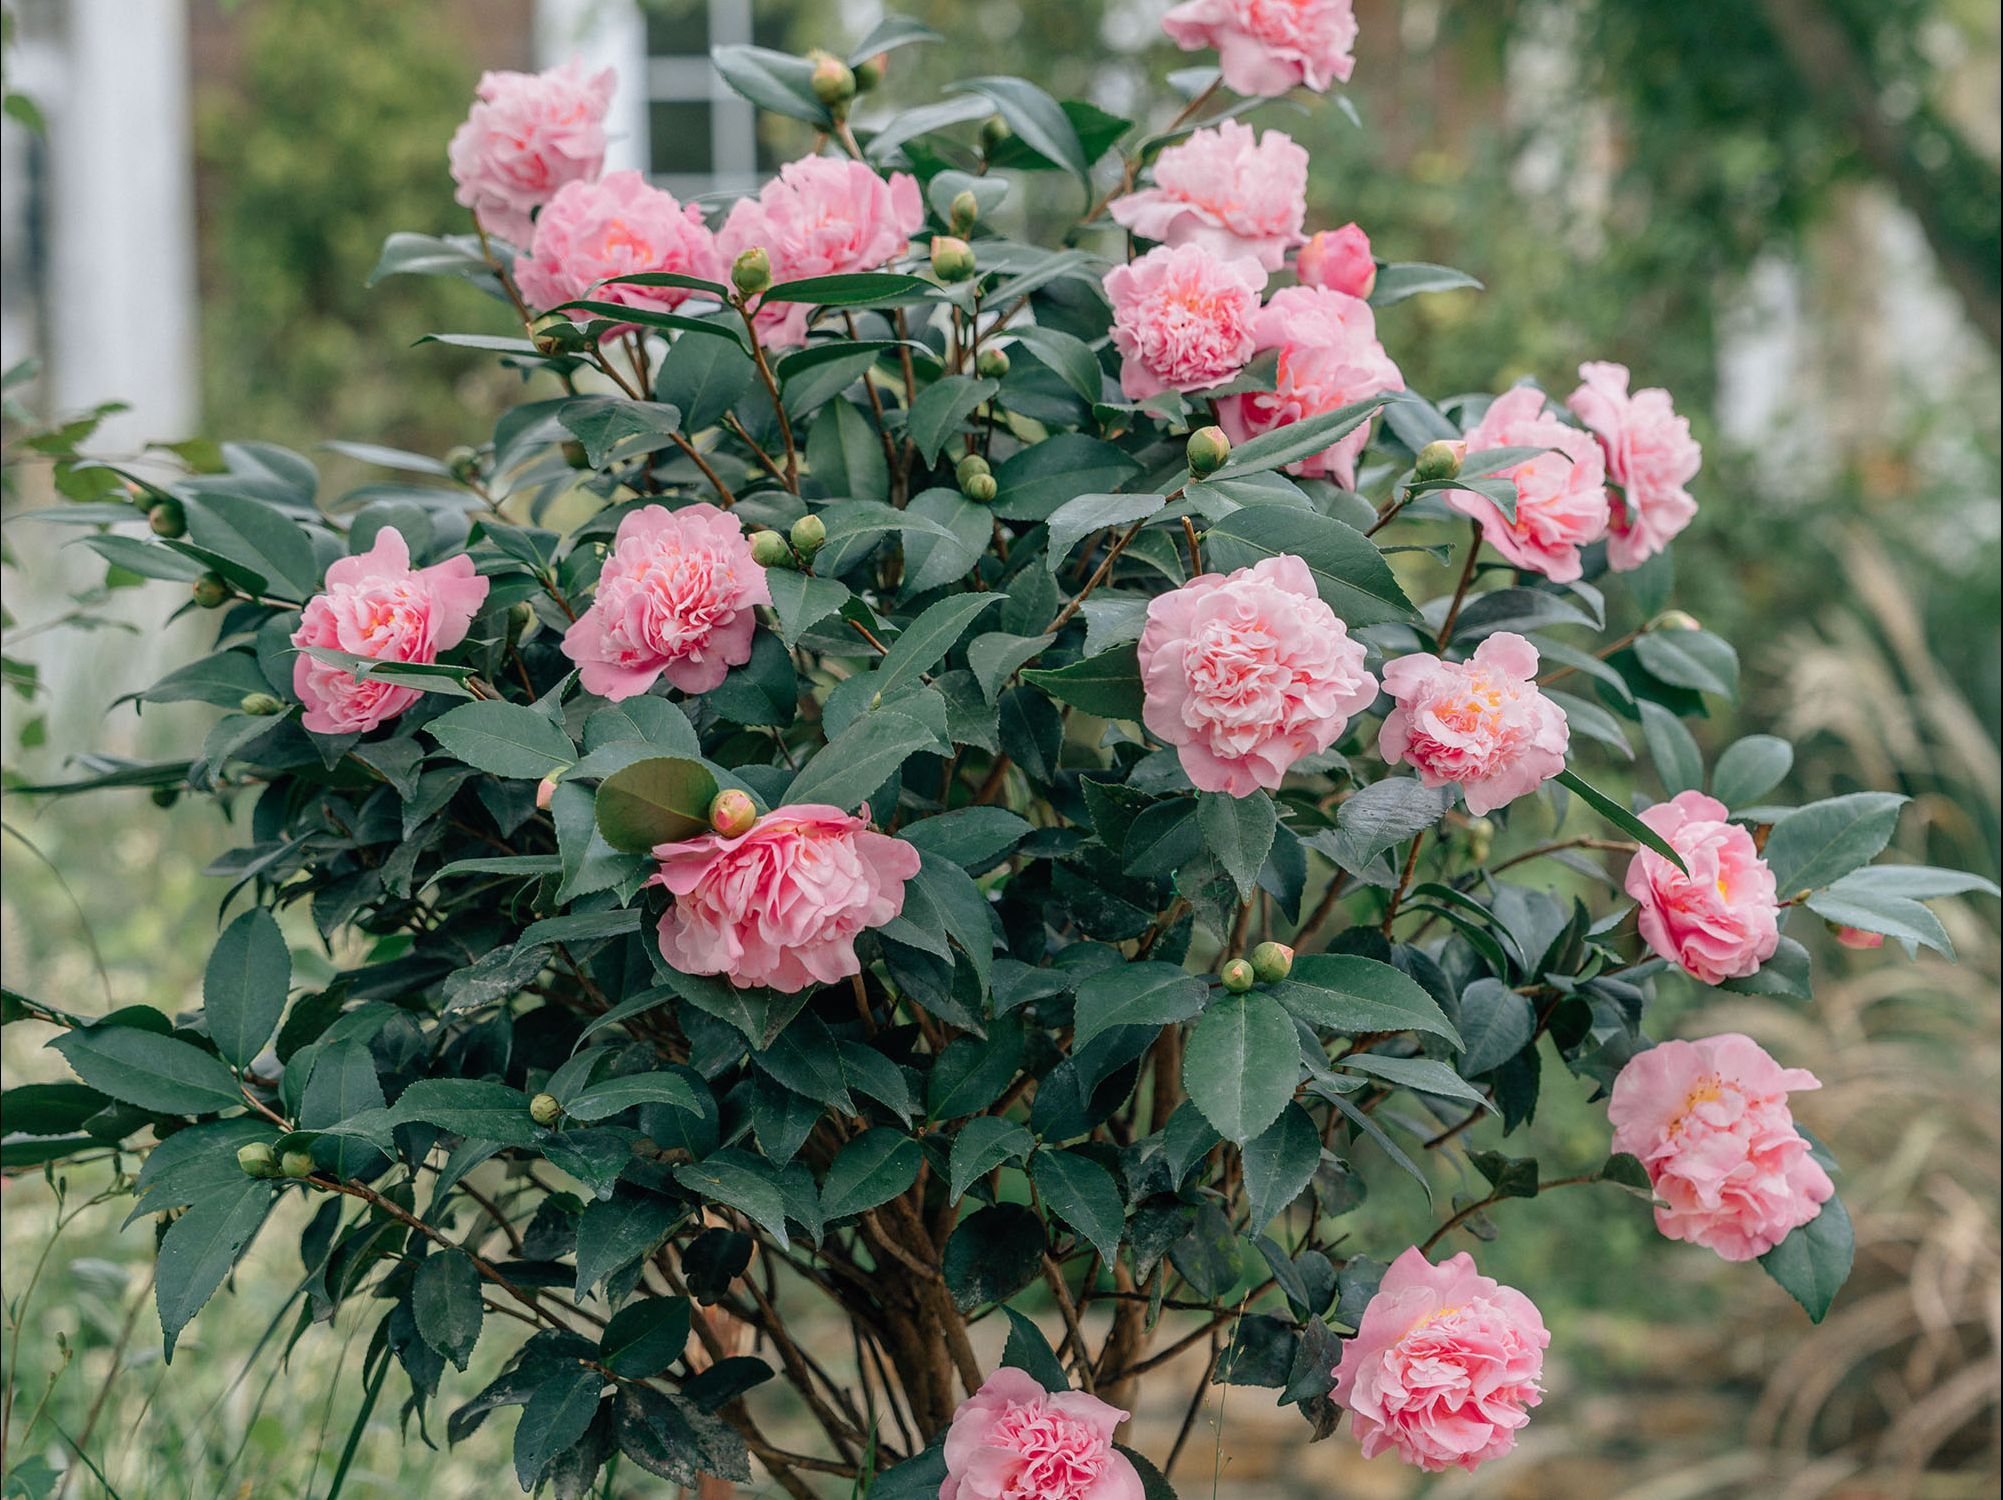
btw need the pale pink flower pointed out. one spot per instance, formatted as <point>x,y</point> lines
<point>1338,259</point>
<point>526,136</point>
<point>1013,1440</point>
<point>1856,937</point>
<point>1480,724</point>
<point>1246,673</point>
<point>674,599</point>
<point>1721,921</point>
<point>1561,497</point>
<point>378,606</point>
<point>1329,357</point>
<point>1710,1122</point>
<point>1266,47</point>
<point>1227,190</point>
<point>821,216</point>
<point>782,904</point>
<point>1650,455</point>
<point>618,226</point>
<point>1444,1367</point>
<point>1182,319</point>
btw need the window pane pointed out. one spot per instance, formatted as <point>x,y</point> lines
<point>679,135</point>
<point>676,28</point>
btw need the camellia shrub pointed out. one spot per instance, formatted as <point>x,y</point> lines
<point>920,779</point>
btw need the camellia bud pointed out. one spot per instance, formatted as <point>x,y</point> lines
<point>297,1162</point>
<point>521,615</point>
<point>809,535</point>
<point>994,132</point>
<point>1480,839</point>
<point>575,455</point>
<point>168,519</point>
<point>869,72</point>
<point>210,591</point>
<point>257,1159</point>
<point>732,812</point>
<point>463,463</point>
<point>952,258</point>
<point>751,272</point>
<point>980,488</point>
<point>833,81</point>
<point>1238,976</point>
<point>553,333</point>
<point>968,467</point>
<point>544,1110</point>
<point>1856,937</point>
<point>546,788</point>
<point>165,796</point>
<point>769,550</point>
<point>1675,619</point>
<point>966,210</point>
<point>991,364</point>
<point>1437,461</point>
<point>260,705</point>
<point>1208,449</point>
<point>1272,962</point>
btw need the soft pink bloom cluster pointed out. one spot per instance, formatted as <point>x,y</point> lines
<point>1013,1440</point>
<point>1710,1122</point>
<point>1650,455</point>
<point>378,606</point>
<point>1329,357</point>
<point>1266,47</point>
<point>527,135</point>
<point>1561,497</point>
<point>780,905</point>
<point>821,217</point>
<point>620,225</point>
<point>1182,319</point>
<point>1245,673</point>
<point>1445,1367</point>
<point>1721,920</point>
<point>1338,259</point>
<point>1227,190</point>
<point>674,599</point>
<point>1481,724</point>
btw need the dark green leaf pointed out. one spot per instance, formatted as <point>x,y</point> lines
<point>245,984</point>
<point>1242,1064</point>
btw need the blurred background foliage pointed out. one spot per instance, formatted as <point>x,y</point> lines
<point>1786,211</point>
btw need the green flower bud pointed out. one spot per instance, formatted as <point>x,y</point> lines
<point>751,272</point>
<point>211,592</point>
<point>1272,962</point>
<point>1208,449</point>
<point>809,535</point>
<point>168,519</point>
<point>991,364</point>
<point>521,615</point>
<point>1238,976</point>
<point>257,1159</point>
<point>544,1110</point>
<point>296,1163</point>
<point>546,788</point>
<point>1480,839</point>
<point>966,211</point>
<point>869,73</point>
<point>732,812</point>
<point>833,81</point>
<point>260,705</point>
<point>575,456</point>
<point>463,463</point>
<point>165,796</point>
<point>994,132</point>
<point>769,550</point>
<point>980,488</point>
<point>553,333</point>
<point>968,467</point>
<point>1675,619</point>
<point>1437,461</point>
<point>952,258</point>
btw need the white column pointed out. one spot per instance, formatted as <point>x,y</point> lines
<point>122,263</point>
<point>603,34</point>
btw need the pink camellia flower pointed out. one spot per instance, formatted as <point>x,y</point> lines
<point>1721,921</point>
<point>780,905</point>
<point>821,217</point>
<point>1480,724</point>
<point>1650,455</point>
<point>527,135</point>
<point>1245,673</point>
<point>1338,259</point>
<point>619,226</point>
<point>674,599</point>
<point>1266,47</point>
<point>1856,937</point>
<point>1329,357</point>
<point>378,606</point>
<point>1561,497</point>
<point>1445,1366</point>
<point>1013,1440</point>
<point>1227,190</point>
<point>1710,1122</point>
<point>1182,319</point>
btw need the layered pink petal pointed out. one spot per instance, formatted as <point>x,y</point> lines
<point>527,135</point>
<point>1013,1440</point>
<point>1650,455</point>
<point>1182,319</point>
<point>1481,724</point>
<point>1227,190</point>
<point>1562,502</point>
<point>1266,47</point>
<point>1721,919</point>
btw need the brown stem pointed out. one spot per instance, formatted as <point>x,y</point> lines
<point>723,491</point>
<point>1404,881</point>
<point>1460,590</point>
<point>772,390</point>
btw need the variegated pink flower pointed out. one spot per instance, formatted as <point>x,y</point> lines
<point>1650,455</point>
<point>1182,319</point>
<point>1480,724</point>
<point>1719,921</point>
<point>1013,1440</point>
<point>527,135</point>
<point>1561,496</point>
<point>1227,190</point>
<point>620,225</point>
